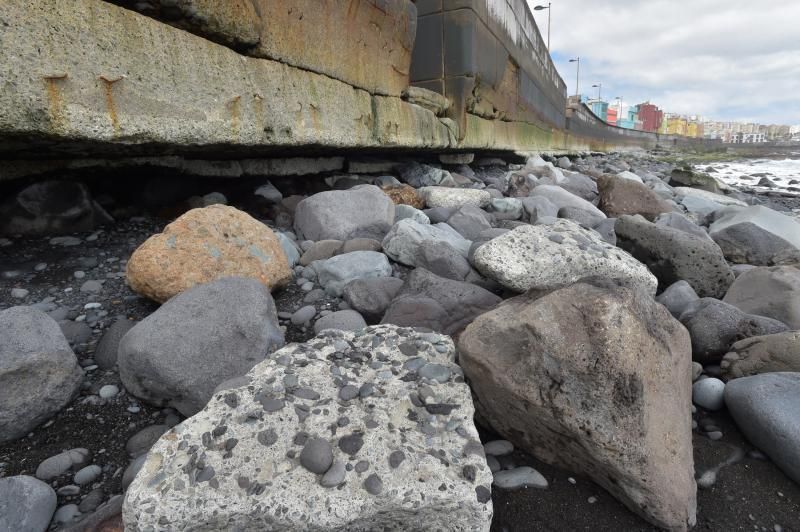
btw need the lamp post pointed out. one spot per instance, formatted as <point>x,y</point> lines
<point>599,87</point>
<point>541,8</point>
<point>577,76</point>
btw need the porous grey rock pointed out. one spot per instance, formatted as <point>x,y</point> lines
<point>772,353</point>
<point>26,504</point>
<point>674,255</point>
<point>343,320</point>
<point>444,305</point>
<point>545,257</point>
<point>174,358</point>
<point>677,297</point>
<point>454,197</point>
<point>214,484</point>
<point>754,235</point>
<point>715,326</point>
<point>765,409</point>
<point>39,373</point>
<point>469,222</point>
<point>371,297</point>
<point>709,393</point>
<point>609,420</point>
<point>362,211</point>
<point>334,273</point>
<point>403,241</point>
<point>773,292</point>
<point>105,355</point>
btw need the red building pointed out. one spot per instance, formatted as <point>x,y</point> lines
<point>612,116</point>
<point>651,117</point>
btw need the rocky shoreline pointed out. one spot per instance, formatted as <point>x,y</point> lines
<point>630,289</point>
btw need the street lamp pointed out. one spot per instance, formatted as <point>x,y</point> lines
<point>577,76</point>
<point>599,87</point>
<point>541,8</point>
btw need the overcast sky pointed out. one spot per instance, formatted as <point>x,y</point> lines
<point>722,59</point>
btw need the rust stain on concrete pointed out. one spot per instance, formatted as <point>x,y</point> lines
<point>55,101</point>
<point>111,106</point>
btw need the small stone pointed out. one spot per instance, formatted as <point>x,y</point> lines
<point>493,463</point>
<point>304,315</point>
<point>317,456</point>
<point>348,392</point>
<point>520,477</point>
<point>498,448</point>
<point>709,393</point>
<point>396,458</point>
<point>435,372</point>
<point>92,287</point>
<point>373,484</point>
<point>66,514</point>
<point>87,475</point>
<point>334,476</point>
<point>108,391</point>
<point>79,274</point>
<point>19,293</point>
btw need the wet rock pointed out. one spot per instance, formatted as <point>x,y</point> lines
<point>553,343</point>
<point>546,257</point>
<point>362,211</point>
<point>204,245</point>
<point>39,373</point>
<point>174,358</point>
<point>366,493</point>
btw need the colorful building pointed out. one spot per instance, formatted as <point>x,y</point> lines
<point>611,116</point>
<point>599,108</point>
<point>677,125</point>
<point>651,116</point>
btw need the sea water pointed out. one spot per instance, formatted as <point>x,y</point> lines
<point>785,173</point>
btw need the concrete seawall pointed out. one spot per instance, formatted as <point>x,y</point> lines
<point>92,79</point>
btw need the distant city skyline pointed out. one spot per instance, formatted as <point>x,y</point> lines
<point>727,60</point>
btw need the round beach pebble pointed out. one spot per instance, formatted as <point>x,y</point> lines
<point>709,393</point>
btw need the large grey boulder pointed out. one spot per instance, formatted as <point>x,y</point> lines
<point>198,339</point>
<point>442,259</point>
<point>676,220</point>
<point>49,208</point>
<point>469,222</point>
<point>762,354</point>
<point>545,257</point>
<point>362,211</point>
<point>754,235</point>
<point>402,243</point>
<point>562,198</point>
<point>334,273</point>
<point>595,378</point>
<point>539,207</point>
<point>620,196</point>
<point>772,292</point>
<point>765,408</point>
<point>674,255</point>
<point>715,326</point>
<point>330,435</point>
<point>371,297</point>
<point>26,504</point>
<point>39,373</point>
<point>443,305</point>
<point>581,185</point>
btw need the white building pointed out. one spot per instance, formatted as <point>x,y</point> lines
<point>748,138</point>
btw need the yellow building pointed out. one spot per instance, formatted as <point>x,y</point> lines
<point>691,129</point>
<point>677,125</point>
